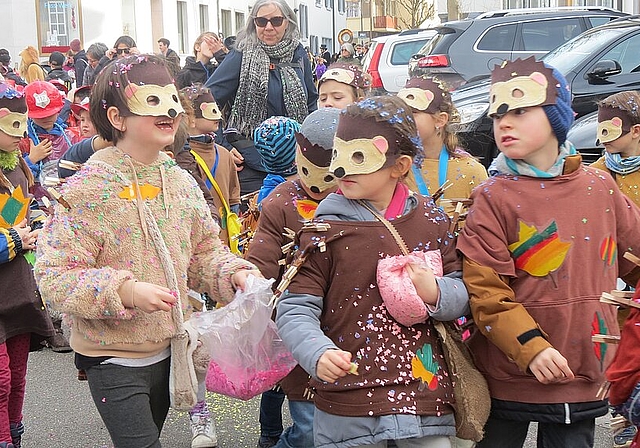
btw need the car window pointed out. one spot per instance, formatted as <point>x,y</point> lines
<point>600,20</point>
<point>498,38</point>
<point>569,55</point>
<point>626,53</point>
<point>428,47</point>
<point>367,57</point>
<point>545,35</point>
<point>402,51</point>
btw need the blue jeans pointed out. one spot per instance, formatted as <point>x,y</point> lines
<point>271,413</point>
<point>300,434</point>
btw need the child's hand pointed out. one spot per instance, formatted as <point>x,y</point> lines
<point>214,43</point>
<point>147,296</point>
<point>549,366</point>
<point>333,364</point>
<point>40,151</point>
<point>27,237</point>
<point>240,278</point>
<point>424,282</point>
<point>237,158</point>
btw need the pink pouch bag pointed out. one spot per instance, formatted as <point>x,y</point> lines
<point>397,290</point>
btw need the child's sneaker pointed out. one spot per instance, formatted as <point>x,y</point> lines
<point>624,438</point>
<point>203,431</point>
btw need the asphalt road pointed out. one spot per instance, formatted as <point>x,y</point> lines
<point>59,413</point>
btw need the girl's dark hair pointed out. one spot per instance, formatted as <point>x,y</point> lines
<point>392,112</point>
<point>127,40</point>
<point>108,91</point>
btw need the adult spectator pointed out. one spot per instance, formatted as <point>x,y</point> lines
<point>326,54</point>
<point>230,43</point>
<point>56,61</point>
<point>268,48</point>
<point>347,54</point>
<point>124,46</point>
<point>173,59</point>
<point>199,68</point>
<point>80,61</point>
<point>30,67</point>
<point>6,71</point>
<point>95,53</point>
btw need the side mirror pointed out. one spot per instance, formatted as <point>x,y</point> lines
<point>605,68</point>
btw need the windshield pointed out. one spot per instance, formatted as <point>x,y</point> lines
<point>571,54</point>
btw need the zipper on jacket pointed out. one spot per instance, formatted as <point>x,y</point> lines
<point>567,414</point>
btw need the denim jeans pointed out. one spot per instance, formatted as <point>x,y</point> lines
<point>512,434</point>
<point>132,401</point>
<point>300,434</point>
<point>271,413</point>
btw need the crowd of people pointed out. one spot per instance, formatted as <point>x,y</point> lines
<point>122,173</point>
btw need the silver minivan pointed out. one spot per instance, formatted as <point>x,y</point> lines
<point>387,60</point>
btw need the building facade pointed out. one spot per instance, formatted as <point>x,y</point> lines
<point>50,25</point>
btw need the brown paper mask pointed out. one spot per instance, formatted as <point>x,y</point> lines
<point>153,100</point>
<point>13,123</point>
<point>613,123</point>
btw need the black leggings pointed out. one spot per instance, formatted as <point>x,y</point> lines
<point>132,401</point>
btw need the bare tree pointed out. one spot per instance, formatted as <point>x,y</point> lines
<point>417,11</point>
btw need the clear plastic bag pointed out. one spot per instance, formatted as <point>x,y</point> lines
<point>247,355</point>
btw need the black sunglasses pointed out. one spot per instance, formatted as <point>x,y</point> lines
<point>261,22</point>
<point>123,50</point>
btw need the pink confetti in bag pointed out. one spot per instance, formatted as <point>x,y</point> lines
<point>247,355</point>
<point>397,290</point>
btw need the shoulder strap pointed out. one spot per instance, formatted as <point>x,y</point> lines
<point>390,227</point>
<point>205,168</point>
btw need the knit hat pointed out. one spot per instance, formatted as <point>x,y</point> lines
<point>13,111</point>
<point>275,140</point>
<point>75,45</point>
<point>315,146</point>
<point>425,94</point>
<point>56,58</point>
<point>345,73</point>
<point>43,99</point>
<point>527,83</point>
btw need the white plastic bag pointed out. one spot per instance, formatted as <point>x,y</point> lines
<point>247,355</point>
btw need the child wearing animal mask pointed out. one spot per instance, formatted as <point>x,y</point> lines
<point>378,373</point>
<point>342,84</point>
<point>544,238</point>
<point>120,253</point>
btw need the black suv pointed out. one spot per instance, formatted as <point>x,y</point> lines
<point>467,49</point>
<point>600,62</point>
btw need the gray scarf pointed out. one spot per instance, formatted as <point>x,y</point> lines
<point>250,105</point>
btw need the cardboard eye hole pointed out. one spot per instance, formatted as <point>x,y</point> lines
<point>517,93</point>
<point>411,97</point>
<point>357,157</point>
<point>16,124</point>
<point>328,178</point>
<point>305,171</point>
<point>175,98</point>
<point>605,132</point>
<point>153,100</point>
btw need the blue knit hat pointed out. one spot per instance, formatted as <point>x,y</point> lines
<point>275,140</point>
<point>537,84</point>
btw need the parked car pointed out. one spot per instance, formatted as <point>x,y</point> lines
<point>467,49</point>
<point>600,62</point>
<point>388,58</point>
<point>583,134</point>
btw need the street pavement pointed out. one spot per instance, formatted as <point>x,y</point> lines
<point>59,413</point>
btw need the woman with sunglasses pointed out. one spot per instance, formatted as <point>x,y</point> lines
<point>124,46</point>
<point>267,48</point>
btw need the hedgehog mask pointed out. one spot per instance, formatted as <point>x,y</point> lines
<point>13,112</point>
<point>150,91</point>
<point>613,123</point>
<point>354,152</point>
